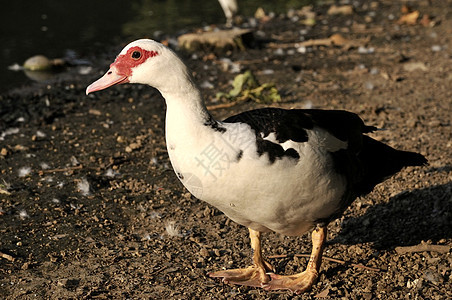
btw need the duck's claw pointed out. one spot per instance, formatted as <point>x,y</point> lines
<point>298,283</point>
<point>251,276</point>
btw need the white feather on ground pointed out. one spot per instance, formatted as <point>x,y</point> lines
<point>84,187</point>
<point>24,171</point>
<point>172,229</point>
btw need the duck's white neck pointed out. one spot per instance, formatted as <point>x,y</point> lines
<point>184,103</point>
<point>186,113</point>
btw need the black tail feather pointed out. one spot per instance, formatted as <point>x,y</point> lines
<point>380,161</point>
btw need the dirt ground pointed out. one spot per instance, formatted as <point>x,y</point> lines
<point>91,209</point>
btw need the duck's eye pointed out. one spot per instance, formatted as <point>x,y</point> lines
<point>136,54</point>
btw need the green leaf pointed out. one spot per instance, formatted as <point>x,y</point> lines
<point>246,87</point>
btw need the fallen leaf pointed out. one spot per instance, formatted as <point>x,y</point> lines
<point>409,19</point>
<point>335,40</point>
<point>415,65</point>
<point>260,13</point>
<point>323,294</point>
<point>427,21</point>
<point>405,9</point>
<point>3,191</point>
<point>308,14</point>
<point>338,39</point>
<point>95,112</point>
<point>246,87</point>
<point>340,10</point>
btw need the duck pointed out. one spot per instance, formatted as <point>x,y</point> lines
<point>230,9</point>
<point>288,171</point>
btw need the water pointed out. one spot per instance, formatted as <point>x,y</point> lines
<point>52,27</point>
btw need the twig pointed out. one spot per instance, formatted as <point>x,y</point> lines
<point>157,271</point>
<point>423,247</point>
<point>3,191</point>
<point>342,262</point>
<point>6,256</point>
<point>334,40</point>
<point>61,169</point>
<point>222,105</point>
<point>277,256</point>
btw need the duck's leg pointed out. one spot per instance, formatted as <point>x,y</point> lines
<point>303,281</point>
<point>255,275</point>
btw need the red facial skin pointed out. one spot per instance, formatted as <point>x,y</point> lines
<point>124,63</point>
<point>121,70</point>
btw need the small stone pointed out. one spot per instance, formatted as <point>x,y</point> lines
<point>68,283</point>
<point>206,212</point>
<point>414,66</point>
<point>433,277</point>
<point>340,10</point>
<point>302,49</point>
<point>37,63</point>
<point>434,123</point>
<point>206,85</point>
<point>411,123</point>
<point>95,112</point>
<point>204,252</point>
<point>369,85</point>
<point>436,48</point>
<point>134,146</point>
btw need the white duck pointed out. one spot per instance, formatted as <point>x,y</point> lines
<point>230,9</point>
<point>271,169</point>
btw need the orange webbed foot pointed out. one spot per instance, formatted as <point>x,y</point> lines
<point>298,283</point>
<point>251,276</point>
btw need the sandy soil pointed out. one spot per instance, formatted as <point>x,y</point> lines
<point>90,207</point>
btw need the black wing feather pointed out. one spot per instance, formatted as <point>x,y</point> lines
<point>365,163</point>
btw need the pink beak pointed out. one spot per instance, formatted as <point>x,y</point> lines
<point>110,78</point>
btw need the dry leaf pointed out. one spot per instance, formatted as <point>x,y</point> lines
<point>340,10</point>
<point>338,39</point>
<point>261,15</point>
<point>334,40</point>
<point>405,9</point>
<point>409,19</point>
<point>427,21</point>
<point>414,66</point>
<point>323,294</point>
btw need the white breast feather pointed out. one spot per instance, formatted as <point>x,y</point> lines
<point>286,196</point>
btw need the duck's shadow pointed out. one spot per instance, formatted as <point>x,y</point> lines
<point>407,219</point>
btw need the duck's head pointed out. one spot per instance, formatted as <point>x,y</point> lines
<point>143,61</point>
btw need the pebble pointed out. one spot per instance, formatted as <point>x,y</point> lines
<point>37,63</point>
<point>204,252</point>
<point>95,112</point>
<point>411,123</point>
<point>301,49</point>
<point>369,85</point>
<point>364,50</point>
<point>434,123</point>
<point>433,277</point>
<point>436,48</point>
<point>414,66</point>
<point>279,51</point>
<point>132,146</point>
<point>206,85</point>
